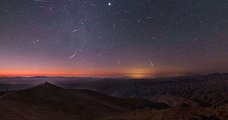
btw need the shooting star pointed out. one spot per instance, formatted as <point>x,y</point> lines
<point>118,62</point>
<point>75,30</point>
<point>93,5</point>
<point>151,64</point>
<point>72,56</point>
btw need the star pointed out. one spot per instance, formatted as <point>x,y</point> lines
<point>37,41</point>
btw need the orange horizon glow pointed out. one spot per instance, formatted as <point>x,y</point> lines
<point>135,73</point>
<point>78,73</point>
<point>132,73</point>
<point>58,73</point>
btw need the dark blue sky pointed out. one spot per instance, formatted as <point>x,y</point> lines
<point>137,38</point>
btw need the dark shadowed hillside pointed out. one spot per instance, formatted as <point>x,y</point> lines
<point>206,90</point>
<point>49,102</point>
<point>186,98</point>
<point>208,113</point>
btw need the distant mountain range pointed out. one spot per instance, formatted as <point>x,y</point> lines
<point>207,89</point>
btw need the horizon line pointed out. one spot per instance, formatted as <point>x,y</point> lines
<point>111,77</point>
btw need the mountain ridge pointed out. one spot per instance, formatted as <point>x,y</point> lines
<point>45,98</point>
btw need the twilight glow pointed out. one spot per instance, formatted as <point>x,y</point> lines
<point>113,38</point>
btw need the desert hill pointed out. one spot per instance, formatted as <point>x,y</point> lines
<point>207,90</point>
<point>201,113</point>
<point>49,102</point>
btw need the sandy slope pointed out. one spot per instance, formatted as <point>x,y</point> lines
<point>49,102</point>
<point>210,113</point>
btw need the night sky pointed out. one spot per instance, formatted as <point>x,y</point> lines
<point>115,38</point>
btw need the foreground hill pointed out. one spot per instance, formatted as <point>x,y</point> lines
<point>49,102</point>
<point>201,113</point>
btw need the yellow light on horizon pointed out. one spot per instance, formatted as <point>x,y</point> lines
<point>139,73</point>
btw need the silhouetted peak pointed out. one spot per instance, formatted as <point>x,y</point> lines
<point>46,84</point>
